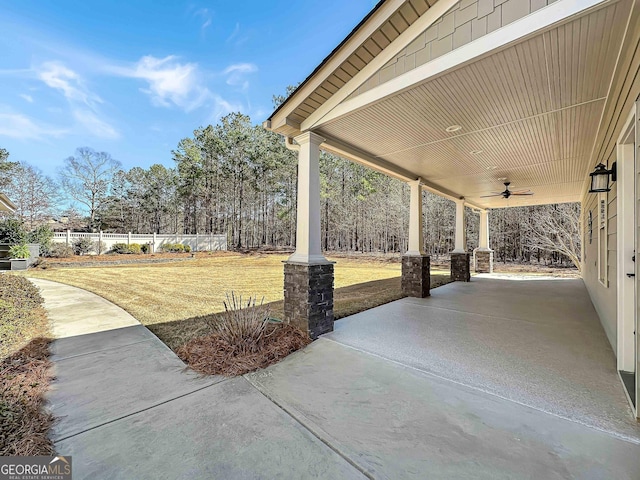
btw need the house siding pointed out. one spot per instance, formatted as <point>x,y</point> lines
<point>603,296</point>
<point>625,89</point>
<point>465,22</point>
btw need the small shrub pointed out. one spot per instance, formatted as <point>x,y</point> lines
<point>145,248</point>
<point>83,246</point>
<point>19,251</point>
<point>242,324</point>
<point>120,248</point>
<point>173,247</point>
<point>187,248</point>
<point>125,249</point>
<point>135,249</point>
<point>43,236</point>
<point>60,250</point>
<point>99,247</point>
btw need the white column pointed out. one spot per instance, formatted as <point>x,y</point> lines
<point>308,248</point>
<point>483,241</point>
<point>416,239</point>
<point>68,237</point>
<point>461,228</point>
<point>129,239</point>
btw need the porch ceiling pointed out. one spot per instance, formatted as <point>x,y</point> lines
<point>533,108</point>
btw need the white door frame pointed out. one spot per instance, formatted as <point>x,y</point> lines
<point>626,199</point>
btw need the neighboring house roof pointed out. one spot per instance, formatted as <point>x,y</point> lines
<point>6,205</point>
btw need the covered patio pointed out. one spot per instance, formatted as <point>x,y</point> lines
<point>461,98</point>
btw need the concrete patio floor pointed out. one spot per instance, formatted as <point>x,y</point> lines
<point>375,399</point>
<point>536,342</point>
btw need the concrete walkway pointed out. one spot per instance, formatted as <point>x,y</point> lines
<point>128,408</point>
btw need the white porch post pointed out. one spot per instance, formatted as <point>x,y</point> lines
<point>308,275</point>
<point>460,259</point>
<point>483,255</point>
<point>483,241</point>
<point>308,246</point>
<point>461,228</point>
<point>416,279</point>
<point>416,238</point>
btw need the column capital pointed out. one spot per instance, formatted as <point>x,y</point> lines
<point>309,137</point>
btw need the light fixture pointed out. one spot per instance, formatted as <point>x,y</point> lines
<point>600,178</point>
<point>453,128</point>
<point>476,152</point>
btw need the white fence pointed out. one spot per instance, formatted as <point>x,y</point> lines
<point>197,242</point>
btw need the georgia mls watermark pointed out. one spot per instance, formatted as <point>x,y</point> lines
<point>35,468</point>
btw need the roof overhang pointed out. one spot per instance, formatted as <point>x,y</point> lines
<point>6,205</point>
<point>531,97</point>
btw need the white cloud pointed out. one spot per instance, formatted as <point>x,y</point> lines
<point>236,74</point>
<point>84,104</point>
<point>169,81</point>
<point>27,98</point>
<point>59,77</point>
<point>16,125</point>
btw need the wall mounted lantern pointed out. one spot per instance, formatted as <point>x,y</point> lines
<point>600,178</point>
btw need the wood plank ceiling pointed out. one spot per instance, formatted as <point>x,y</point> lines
<point>532,109</point>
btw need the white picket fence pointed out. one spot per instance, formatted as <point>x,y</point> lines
<point>197,242</point>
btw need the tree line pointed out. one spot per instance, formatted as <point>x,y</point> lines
<point>238,179</point>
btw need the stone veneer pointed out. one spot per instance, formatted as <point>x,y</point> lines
<point>416,275</point>
<point>460,267</point>
<point>483,260</point>
<point>308,297</point>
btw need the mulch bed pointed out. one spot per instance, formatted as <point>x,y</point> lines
<point>24,422</point>
<point>212,355</point>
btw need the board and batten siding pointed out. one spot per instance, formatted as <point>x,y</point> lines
<point>624,90</point>
<point>603,291</point>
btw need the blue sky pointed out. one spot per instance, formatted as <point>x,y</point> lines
<point>134,77</point>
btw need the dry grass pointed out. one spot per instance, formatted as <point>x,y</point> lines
<point>156,293</point>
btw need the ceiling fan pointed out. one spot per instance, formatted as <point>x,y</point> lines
<point>507,193</point>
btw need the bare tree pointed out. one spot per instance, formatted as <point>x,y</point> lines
<point>556,229</point>
<point>87,178</point>
<point>35,194</point>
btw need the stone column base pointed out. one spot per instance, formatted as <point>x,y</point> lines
<point>416,275</point>
<point>483,261</point>
<point>308,297</point>
<point>460,267</point>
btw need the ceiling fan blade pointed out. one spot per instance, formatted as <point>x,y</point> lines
<point>524,190</point>
<point>487,196</point>
<point>530,193</point>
